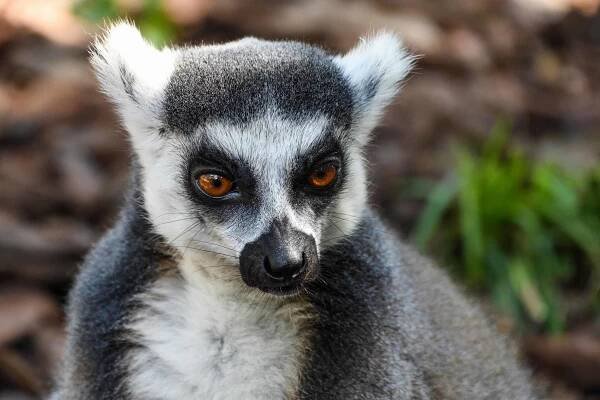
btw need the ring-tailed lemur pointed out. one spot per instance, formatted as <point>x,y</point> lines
<point>246,263</point>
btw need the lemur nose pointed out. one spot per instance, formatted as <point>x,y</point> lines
<point>280,260</point>
<point>284,268</point>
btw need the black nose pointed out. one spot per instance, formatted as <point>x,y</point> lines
<point>284,266</point>
<point>279,260</point>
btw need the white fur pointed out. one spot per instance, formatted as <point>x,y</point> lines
<point>380,59</point>
<point>204,339</point>
<point>348,207</point>
<point>122,50</point>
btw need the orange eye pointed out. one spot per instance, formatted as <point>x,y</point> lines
<point>214,185</point>
<point>323,176</point>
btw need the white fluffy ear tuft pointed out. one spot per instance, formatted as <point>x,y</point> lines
<point>132,73</point>
<point>375,69</point>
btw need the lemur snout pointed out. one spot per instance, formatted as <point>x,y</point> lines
<point>280,266</point>
<point>279,261</point>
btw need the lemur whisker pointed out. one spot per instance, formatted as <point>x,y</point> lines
<point>186,230</point>
<point>346,214</point>
<point>189,241</point>
<point>207,251</point>
<point>344,218</point>
<point>338,228</point>
<point>213,244</point>
<point>192,226</point>
<point>178,213</point>
<point>175,220</point>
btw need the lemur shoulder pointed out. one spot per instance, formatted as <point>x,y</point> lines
<point>246,263</point>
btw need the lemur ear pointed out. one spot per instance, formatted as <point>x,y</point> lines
<point>133,74</point>
<point>375,69</point>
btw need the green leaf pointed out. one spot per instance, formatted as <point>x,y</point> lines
<point>470,224</point>
<point>527,291</point>
<point>518,229</point>
<point>438,202</point>
<point>96,10</point>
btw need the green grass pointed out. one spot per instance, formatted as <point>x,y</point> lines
<point>525,232</point>
<point>152,20</point>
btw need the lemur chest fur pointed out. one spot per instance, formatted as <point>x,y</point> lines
<point>201,339</point>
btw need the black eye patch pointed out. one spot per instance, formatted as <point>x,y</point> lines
<point>209,158</point>
<point>206,158</point>
<point>328,149</point>
<point>325,152</point>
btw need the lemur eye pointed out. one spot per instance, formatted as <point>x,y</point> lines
<point>323,176</point>
<point>214,185</point>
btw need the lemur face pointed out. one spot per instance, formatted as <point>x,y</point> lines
<point>251,151</point>
<point>266,187</point>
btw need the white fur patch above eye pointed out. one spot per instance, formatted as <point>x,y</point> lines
<point>375,69</point>
<point>132,73</point>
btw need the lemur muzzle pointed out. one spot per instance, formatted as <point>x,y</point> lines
<point>279,260</point>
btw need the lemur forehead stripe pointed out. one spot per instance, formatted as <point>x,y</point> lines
<point>237,82</point>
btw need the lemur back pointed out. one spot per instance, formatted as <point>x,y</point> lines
<point>246,263</point>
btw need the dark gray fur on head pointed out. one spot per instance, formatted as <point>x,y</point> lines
<point>236,83</point>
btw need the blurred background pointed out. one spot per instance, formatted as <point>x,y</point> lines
<point>488,161</point>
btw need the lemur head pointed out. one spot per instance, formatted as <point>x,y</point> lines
<point>251,151</point>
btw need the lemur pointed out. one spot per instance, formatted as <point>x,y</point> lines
<point>246,263</point>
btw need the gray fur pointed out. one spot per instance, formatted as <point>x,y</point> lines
<point>160,310</point>
<point>389,325</point>
<point>119,267</point>
<point>393,326</point>
<point>237,82</point>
